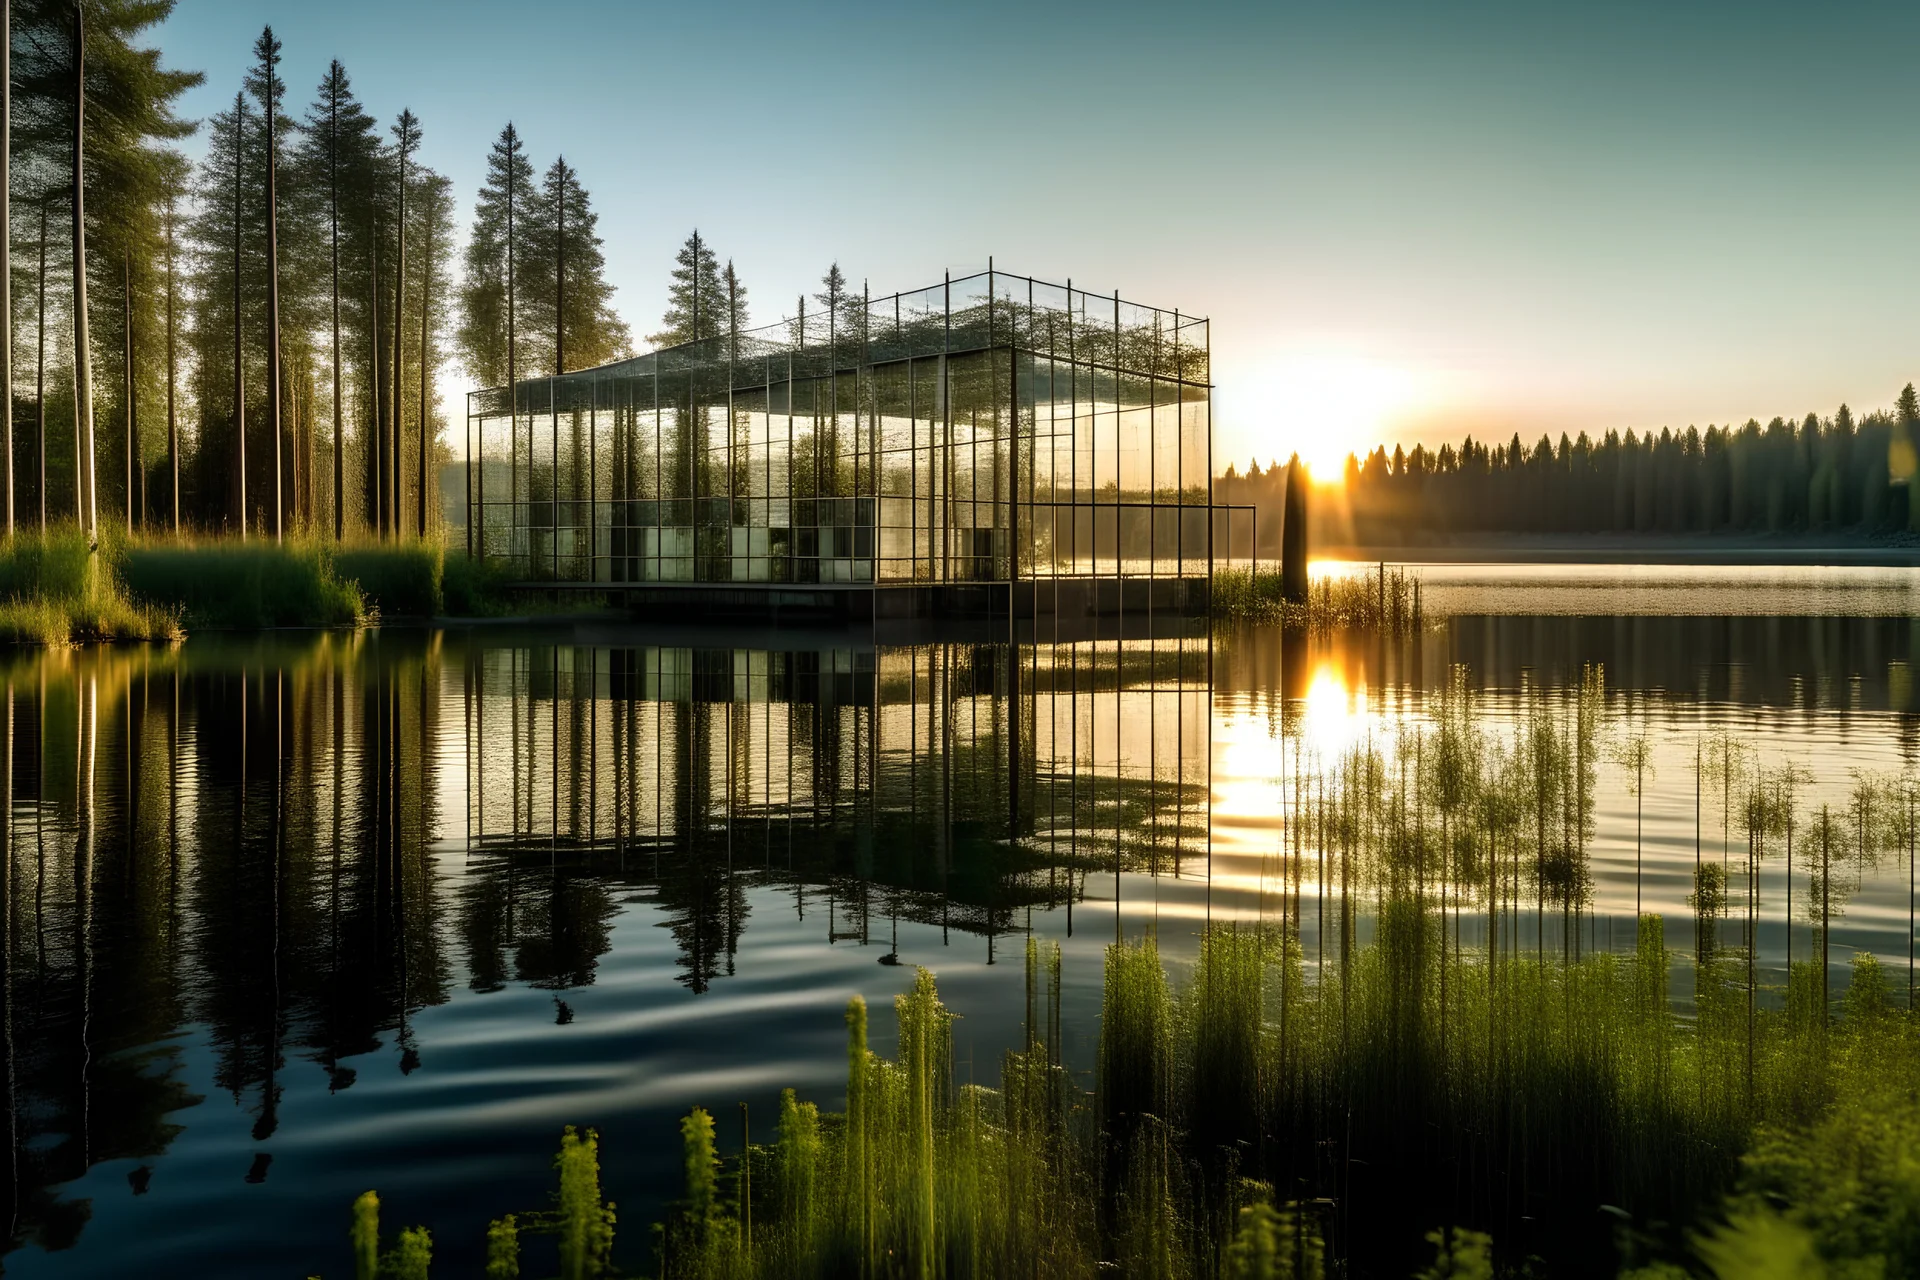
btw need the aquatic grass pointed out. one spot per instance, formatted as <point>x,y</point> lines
<point>503,1248</point>
<point>1560,1086</point>
<point>583,1221</point>
<point>1387,601</point>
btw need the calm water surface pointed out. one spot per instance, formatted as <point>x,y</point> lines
<point>291,917</point>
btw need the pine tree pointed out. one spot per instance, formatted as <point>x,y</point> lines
<point>496,253</point>
<point>339,165</point>
<point>568,304</point>
<point>1906,414</point>
<point>434,206</point>
<point>736,312</point>
<point>842,313</point>
<point>268,90</point>
<point>122,123</point>
<point>696,297</point>
<point>82,345</point>
<point>406,140</point>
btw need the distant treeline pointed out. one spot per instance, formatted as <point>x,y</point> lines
<point>1822,474</point>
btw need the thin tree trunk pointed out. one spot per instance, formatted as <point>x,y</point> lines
<point>126,369</point>
<point>333,232</point>
<point>560,275</point>
<point>173,425</point>
<point>513,390</point>
<point>377,455</point>
<point>426,299</point>
<point>239,368</point>
<point>399,341</point>
<point>273,293</point>
<point>40,372</point>
<point>6,241</point>
<point>82,345</point>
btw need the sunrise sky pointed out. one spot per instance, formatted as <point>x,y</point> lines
<point>1403,219</point>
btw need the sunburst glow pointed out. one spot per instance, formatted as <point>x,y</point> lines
<point>1328,405</point>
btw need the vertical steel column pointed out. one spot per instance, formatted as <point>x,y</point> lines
<point>553,416</point>
<point>593,482</point>
<point>946,434</point>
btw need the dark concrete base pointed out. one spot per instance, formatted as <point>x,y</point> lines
<point>1041,605</point>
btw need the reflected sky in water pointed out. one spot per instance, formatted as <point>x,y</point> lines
<point>291,917</point>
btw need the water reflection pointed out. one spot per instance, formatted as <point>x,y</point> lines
<point>286,916</point>
<point>281,855</point>
<point>947,784</point>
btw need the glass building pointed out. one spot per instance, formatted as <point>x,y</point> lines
<point>990,443</point>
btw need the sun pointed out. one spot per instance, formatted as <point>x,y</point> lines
<point>1326,406</point>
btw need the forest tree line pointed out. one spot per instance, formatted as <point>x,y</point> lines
<point>1814,475</point>
<point>252,342</point>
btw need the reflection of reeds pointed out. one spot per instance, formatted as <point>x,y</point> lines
<point>1259,1122</point>
<point>1387,601</point>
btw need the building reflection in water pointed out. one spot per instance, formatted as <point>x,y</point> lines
<point>950,784</point>
<point>285,850</point>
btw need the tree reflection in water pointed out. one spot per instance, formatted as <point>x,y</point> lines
<point>291,847</point>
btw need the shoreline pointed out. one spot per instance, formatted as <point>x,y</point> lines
<point>1627,549</point>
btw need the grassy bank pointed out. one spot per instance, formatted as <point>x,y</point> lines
<point>55,589</point>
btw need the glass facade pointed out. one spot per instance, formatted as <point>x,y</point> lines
<point>988,429</point>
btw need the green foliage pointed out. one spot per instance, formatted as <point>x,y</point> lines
<point>365,1234</point>
<point>400,579</point>
<point>1388,600</point>
<point>1760,1245</point>
<point>245,585</point>
<point>1271,1244</point>
<point>503,1249</point>
<point>1459,1254</point>
<point>473,587</point>
<point>412,1255</point>
<point>56,590</point>
<point>585,1223</point>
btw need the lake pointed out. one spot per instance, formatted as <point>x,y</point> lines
<point>295,915</point>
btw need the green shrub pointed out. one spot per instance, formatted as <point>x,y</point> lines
<point>401,580</point>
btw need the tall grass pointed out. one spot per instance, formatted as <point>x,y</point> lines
<point>55,589</point>
<point>1428,1108</point>
<point>1387,600</point>
<point>398,579</point>
<point>245,585</point>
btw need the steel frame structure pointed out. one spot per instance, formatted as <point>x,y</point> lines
<point>990,429</point>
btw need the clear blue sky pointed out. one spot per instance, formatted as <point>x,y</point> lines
<point>1412,218</point>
